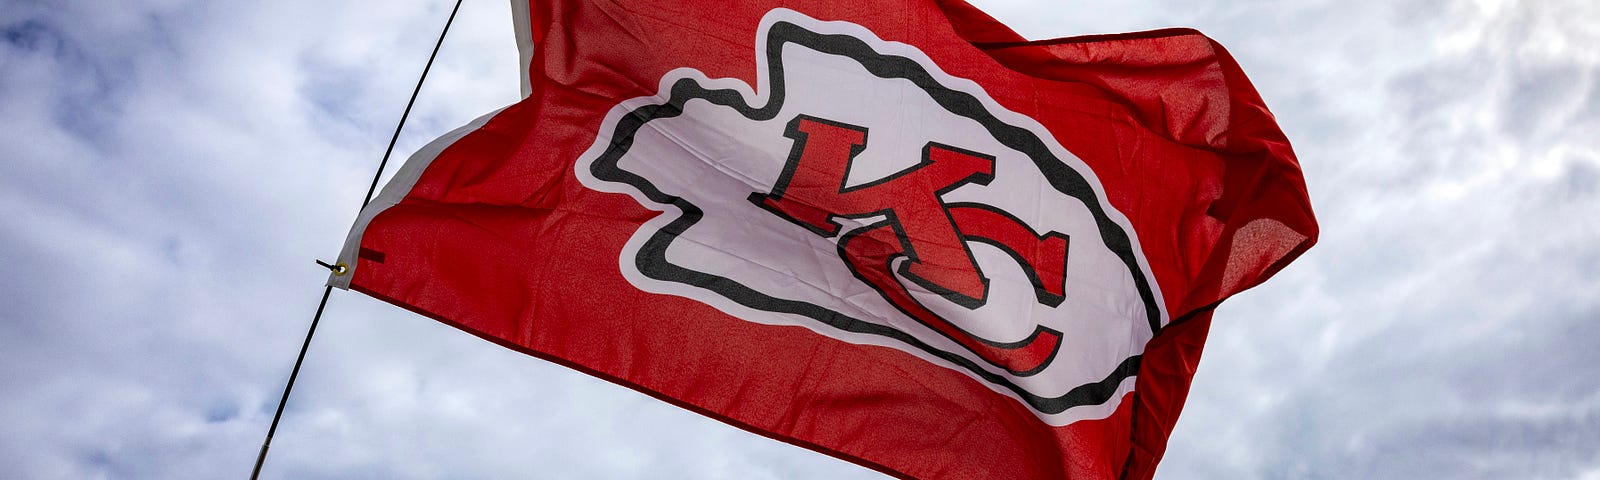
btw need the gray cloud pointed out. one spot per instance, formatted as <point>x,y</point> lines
<point>1436,331</point>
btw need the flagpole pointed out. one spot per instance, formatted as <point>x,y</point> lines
<point>261,457</point>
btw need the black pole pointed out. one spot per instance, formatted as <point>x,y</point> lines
<point>261,457</point>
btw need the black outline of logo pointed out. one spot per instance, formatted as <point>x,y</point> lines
<point>651,260</point>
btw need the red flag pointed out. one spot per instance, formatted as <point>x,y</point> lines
<point>895,233</point>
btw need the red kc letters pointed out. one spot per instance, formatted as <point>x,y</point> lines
<point>920,226</point>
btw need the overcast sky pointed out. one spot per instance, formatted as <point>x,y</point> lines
<point>170,168</point>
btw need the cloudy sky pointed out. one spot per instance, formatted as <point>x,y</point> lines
<point>170,168</point>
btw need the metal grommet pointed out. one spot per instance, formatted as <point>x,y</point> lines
<point>338,269</point>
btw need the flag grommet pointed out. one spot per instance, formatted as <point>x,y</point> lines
<point>338,269</point>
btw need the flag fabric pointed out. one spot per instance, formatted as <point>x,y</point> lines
<point>893,232</point>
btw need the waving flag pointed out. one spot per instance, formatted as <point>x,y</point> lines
<point>896,233</point>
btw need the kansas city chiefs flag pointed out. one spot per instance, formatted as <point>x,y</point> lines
<point>892,232</point>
